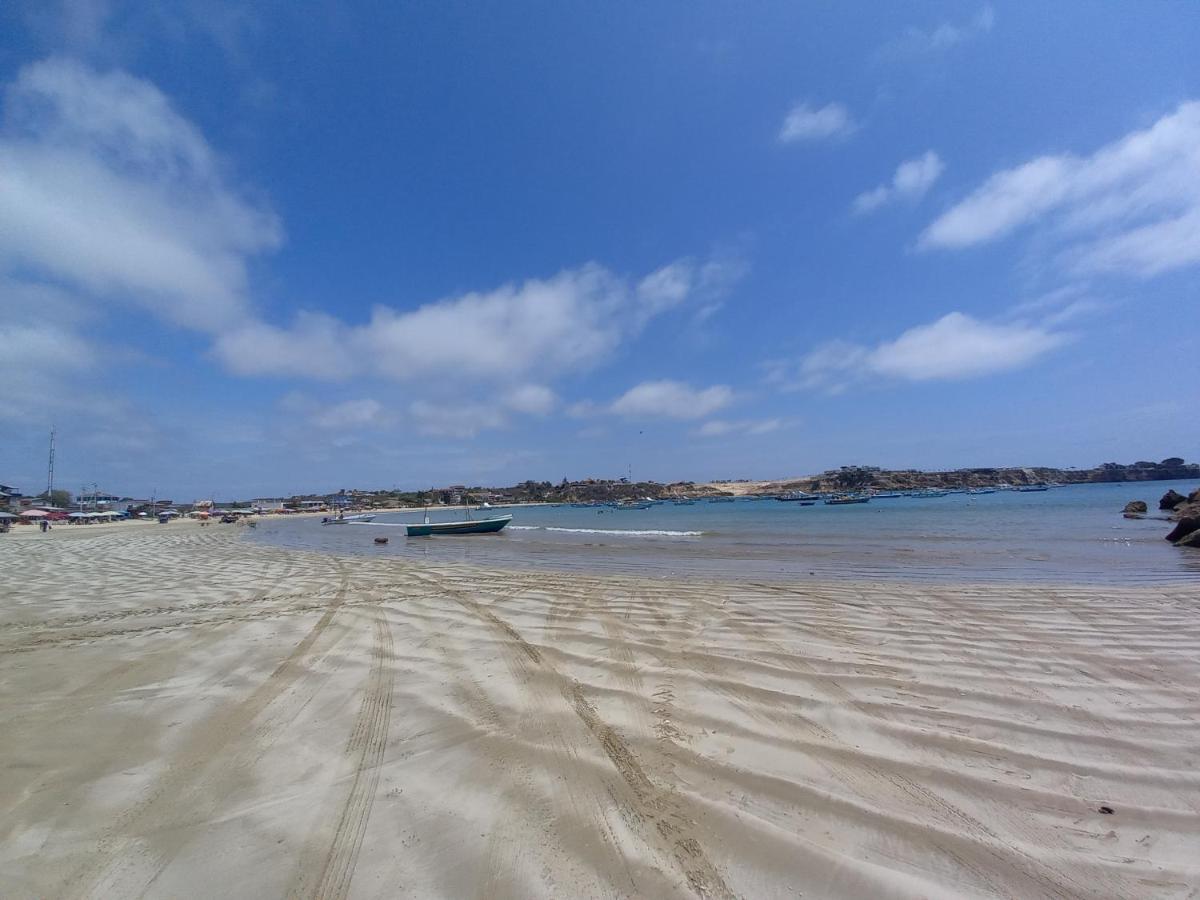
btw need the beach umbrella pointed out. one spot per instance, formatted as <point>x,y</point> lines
<point>34,514</point>
<point>78,515</point>
<point>7,515</point>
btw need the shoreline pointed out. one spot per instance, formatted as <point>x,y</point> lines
<point>372,726</point>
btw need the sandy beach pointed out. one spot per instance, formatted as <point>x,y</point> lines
<point>187,714</point>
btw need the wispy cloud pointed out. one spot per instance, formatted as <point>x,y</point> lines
<point>109,190</point>
<point>541,327</point>
<point>913,178</point>
<point>751,427</point>
<point>1132,207</point>
<point>917,41</point>
<point>456,420</point>
<point>805,122</point>
<point>954,347</point>
<point>671,400</point>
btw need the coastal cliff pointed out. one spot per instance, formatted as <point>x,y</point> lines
<point>871,478</point>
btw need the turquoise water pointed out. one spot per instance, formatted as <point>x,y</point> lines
<point>1071,533</point>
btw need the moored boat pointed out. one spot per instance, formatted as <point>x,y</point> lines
<point>468,526</point>
<point>846,499</point>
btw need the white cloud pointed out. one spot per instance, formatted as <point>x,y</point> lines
<point>954,347</point>
<point>942,36</point>
<point>541,327</point>
<point>110,191</point>
<point>807,123</point>
<point>672,400</point>
<point>531,399</point>
<point>1131,207</point>
<point>349,414</point>
<point>725,427</point>
<point>912,179</point>
<point>455,420</point>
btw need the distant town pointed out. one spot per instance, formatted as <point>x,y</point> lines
<point>94,503</point>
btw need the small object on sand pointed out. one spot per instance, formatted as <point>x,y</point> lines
<point>381,540</point>
<point>1107,810</point>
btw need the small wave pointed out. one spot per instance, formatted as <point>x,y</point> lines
<point>622,532</point>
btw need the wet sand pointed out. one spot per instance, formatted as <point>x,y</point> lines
<point>186,714</point>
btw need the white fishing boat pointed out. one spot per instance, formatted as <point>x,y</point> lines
<point>343,519</point>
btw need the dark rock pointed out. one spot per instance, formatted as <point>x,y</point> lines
<point>1171,499</point>
<point>1194,496</point>
<point>1184,528</point>
<point>1135,506</point>
<point>1190,540</point>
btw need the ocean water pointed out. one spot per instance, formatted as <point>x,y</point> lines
<point>1067,534</point>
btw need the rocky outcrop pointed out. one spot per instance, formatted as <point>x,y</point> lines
<point>1135,508</point>
<point>1192,539</point>
<point>1184,528</point>
<point>1171,499</point>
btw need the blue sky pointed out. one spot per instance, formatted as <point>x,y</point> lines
<point>298,247</point>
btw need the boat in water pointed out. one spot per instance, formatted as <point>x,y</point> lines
<point>847,499</point>
<point>632,504</point>
<point>975,491</point>
<point>887,495</point>
<point>1030,488</point>
<point>343,519</point>
<point>468,526</point>
<point>796,497</point>
<point>720,499</point>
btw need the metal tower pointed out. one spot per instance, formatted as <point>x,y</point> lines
<point>50,469</point>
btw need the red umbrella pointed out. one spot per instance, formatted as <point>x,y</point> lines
<point>34,514</point>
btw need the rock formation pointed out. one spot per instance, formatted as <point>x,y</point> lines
<point>1171,499</point>
<point>1135,508</point>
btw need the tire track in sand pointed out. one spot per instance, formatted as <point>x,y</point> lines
<point>368,740</point>
<point>671,833</point>
<point>123,864</point>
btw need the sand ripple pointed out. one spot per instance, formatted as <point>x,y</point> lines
<point>183,713</point>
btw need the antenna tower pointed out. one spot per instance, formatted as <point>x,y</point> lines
<point>50,468</point>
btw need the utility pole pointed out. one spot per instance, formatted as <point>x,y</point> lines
<point>50,470</point>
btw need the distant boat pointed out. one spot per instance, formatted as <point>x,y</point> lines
<point>886,495</point>
<point>795,496</point>
<point>930,493</point>
<point>1029,488</point>
<point>720,499</point>
<point>684,502</point>
<point>342,519</point>
<point>982,491</point>
<point>470,526</point>
<point>846,499</point>
<point>631,504</point>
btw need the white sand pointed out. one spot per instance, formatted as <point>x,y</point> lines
<point>183,714</point>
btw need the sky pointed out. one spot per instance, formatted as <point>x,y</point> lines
<point>273,248</point>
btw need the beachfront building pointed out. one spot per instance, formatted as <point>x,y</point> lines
<point>10,497</point>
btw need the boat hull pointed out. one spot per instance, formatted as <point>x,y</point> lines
<point>478,526</point>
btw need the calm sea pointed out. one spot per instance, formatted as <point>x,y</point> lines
<point>1074,534</point>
